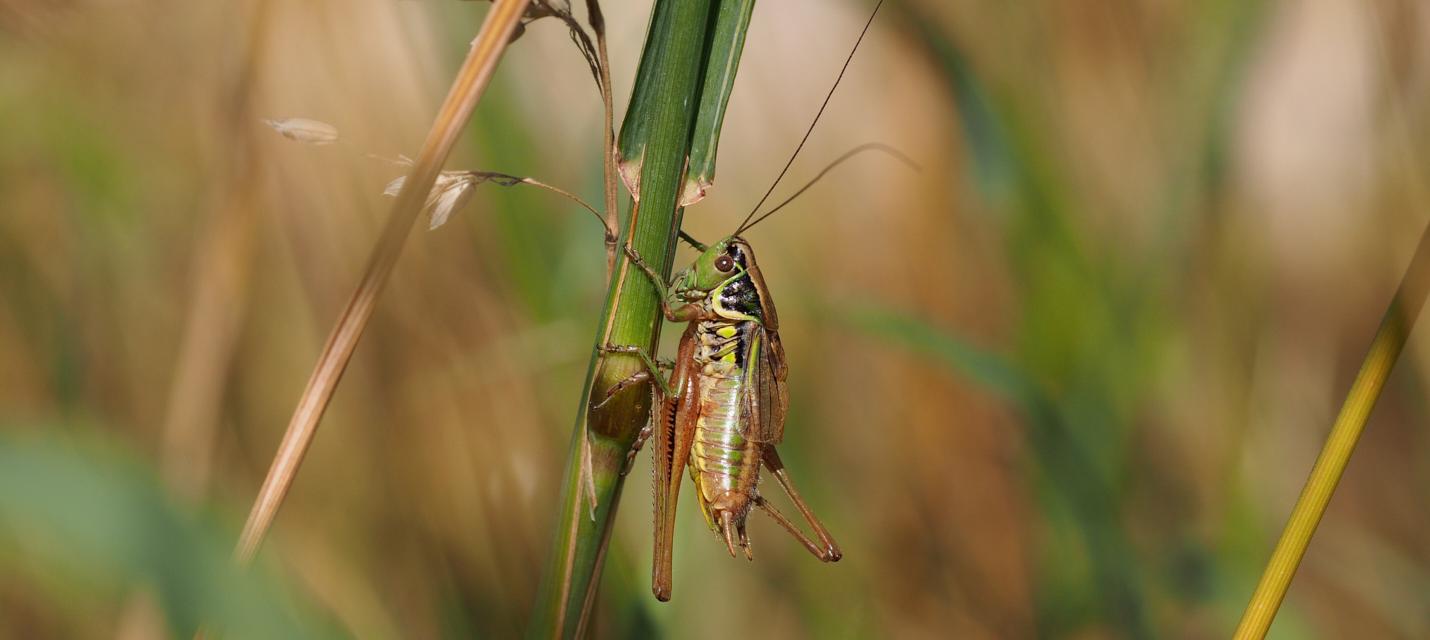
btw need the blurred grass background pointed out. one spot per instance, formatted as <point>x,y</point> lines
<point>1064,382</point>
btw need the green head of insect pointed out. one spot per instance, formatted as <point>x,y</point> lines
<point>726,274</point>
<point>716,266</point>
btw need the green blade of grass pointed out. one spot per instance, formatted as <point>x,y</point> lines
<point>90,519</point>
<point>1068,465</point>
<point>1073,407</point>
<point>986,368</point>
<point>655,144</point>
<point>636,127</point>
<point>722,62</point>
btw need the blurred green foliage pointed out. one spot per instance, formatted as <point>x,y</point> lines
<point>84,525</point>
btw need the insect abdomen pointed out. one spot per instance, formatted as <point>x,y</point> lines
<point>724,462</point>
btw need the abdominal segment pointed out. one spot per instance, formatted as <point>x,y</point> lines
<point>723,463</point>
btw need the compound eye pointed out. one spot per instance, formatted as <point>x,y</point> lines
<point>724,264</point>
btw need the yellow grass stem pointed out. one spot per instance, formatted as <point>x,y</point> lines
<point>1385,349</point>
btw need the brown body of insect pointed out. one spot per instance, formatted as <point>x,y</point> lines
<point>723,410</point>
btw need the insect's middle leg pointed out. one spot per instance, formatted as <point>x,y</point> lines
<point>651,372</point>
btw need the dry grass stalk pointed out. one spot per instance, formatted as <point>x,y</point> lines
<point>608,160</point>
<point>467,89</point>
<point>454,188</point>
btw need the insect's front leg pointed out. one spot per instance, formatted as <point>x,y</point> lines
<point>662,288</point>
<point>683,313</point>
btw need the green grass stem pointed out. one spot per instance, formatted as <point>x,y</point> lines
<point>654,145</point>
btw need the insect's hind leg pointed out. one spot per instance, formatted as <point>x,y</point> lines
<point>615,389</point>
<point>826,549</point>
<point>660,390</point>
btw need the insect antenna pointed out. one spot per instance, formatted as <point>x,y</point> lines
<point>812,124</point>
<point>871,146</point>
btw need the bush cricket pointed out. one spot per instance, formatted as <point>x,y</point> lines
<point>722,411</point>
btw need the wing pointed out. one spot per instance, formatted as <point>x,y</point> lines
<point>673,437</point>
<point>766,394</point>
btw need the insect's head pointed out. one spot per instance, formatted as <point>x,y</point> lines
<point>715,266</point>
